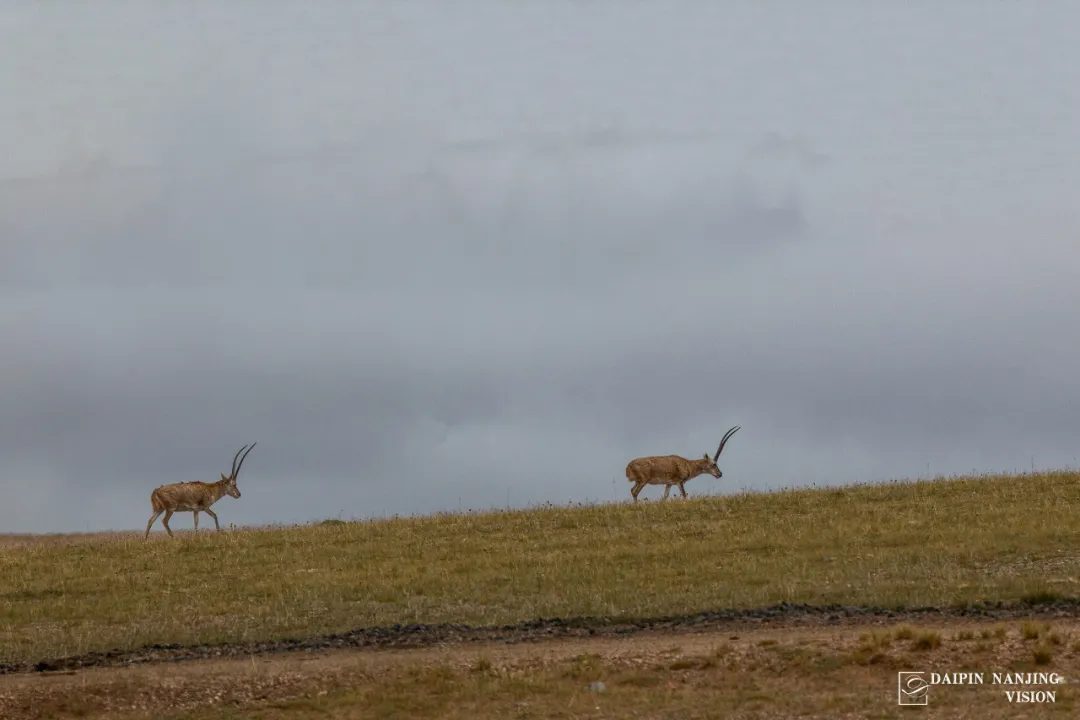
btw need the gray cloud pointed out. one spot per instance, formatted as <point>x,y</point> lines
<point>493,263</point>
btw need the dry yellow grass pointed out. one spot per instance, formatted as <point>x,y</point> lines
<point>955,540</point>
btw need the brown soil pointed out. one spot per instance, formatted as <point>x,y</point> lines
<point>815,664</point>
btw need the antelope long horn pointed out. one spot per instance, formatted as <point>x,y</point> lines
<point>237,471</point>
<point>724,440</point>
<point>233,471</point>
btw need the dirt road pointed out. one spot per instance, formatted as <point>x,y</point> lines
<point>777,662</point>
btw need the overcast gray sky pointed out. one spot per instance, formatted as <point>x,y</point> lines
<point>431,254</point>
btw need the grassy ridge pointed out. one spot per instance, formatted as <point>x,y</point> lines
<point>938,542</point>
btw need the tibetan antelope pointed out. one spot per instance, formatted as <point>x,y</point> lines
<point>196,496</point>
<point>668,470</point>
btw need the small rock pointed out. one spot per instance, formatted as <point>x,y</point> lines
<point>596,686</point>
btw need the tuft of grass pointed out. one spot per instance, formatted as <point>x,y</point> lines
<point>587,666</point>
<point>1030,630</point>
<point>482,665</point>
<point>876,639</point>
<point>1042,597</point>
<point>904,632</point>
<point>927,640</point>
<point>1042,654</point>
<point>868,656</point>
<point>942,542</point>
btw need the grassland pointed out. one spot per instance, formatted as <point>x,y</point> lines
<point>922,543</point>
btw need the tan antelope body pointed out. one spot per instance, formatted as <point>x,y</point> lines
<point>195,497</point>
<point>668,470</point>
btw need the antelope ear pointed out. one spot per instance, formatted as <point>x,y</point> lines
<point>224,477</point>
<point>706,456</point>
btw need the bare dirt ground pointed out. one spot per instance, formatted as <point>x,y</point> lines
<point>828,665</point>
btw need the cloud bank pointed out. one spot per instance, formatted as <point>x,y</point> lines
<point>431,259</point>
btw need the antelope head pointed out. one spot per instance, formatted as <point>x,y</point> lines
<point>230,480</point>
<point>710,463</point>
